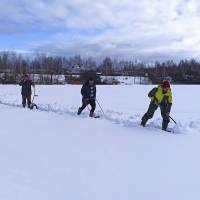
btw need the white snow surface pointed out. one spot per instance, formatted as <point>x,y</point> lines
<point>52,153</point>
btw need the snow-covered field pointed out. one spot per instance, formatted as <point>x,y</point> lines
<point>52,153</point>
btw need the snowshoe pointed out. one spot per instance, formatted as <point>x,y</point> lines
<point>32,105</point>
<point>93,115</point>
<point>168,130</point>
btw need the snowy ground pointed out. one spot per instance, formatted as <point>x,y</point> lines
<point>53,154</point>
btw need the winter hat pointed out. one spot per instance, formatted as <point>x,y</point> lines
<point>165,84</point>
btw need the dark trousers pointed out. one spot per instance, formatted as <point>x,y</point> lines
<point>150,112</point>
<point>85,102</point>
<point>26,98</point>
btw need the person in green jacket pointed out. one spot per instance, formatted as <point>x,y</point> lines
<point>160,96</point>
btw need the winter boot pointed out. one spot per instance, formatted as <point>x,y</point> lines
<point>79,111</point>
<point>91,114</point>
<point>143,123</point>
<point>164,125</point>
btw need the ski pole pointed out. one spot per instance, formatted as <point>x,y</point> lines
<point>100,107</point>
<point>172,119</point>
<point>33,104</point>
<point>34,95</point>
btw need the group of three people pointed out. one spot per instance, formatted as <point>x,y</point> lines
<point>160,96</point>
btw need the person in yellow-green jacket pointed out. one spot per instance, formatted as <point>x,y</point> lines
<point>161,96</point>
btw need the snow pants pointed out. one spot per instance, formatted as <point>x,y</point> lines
<point>150,112</point>
<point>26,98</point>
<point>85,102</point>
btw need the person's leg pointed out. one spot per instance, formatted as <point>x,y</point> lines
<point>149,114</point>
<point>24,100</point>
<point>93,105</point>
<point>165,117</point>
<point>28,100</point>
<point>84,104</point>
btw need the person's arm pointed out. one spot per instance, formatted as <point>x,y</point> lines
<point>167,104</point>
<point>32,83</point>
<point>83,90</point>
<point>152,92</point>
<point>21,82</point>
<point>95,92</point>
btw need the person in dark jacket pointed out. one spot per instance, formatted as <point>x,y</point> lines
<point>88,92</point>
<point>26,92</point>
<point>160,96</point>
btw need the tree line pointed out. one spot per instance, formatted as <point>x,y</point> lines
<point>12,65</point>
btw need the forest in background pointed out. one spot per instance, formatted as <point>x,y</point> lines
<point>76,69</point>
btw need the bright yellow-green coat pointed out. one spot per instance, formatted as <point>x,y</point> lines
<point>158,97</point>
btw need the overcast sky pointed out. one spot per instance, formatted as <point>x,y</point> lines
<point>125,29</point>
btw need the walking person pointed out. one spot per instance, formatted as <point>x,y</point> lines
<point>88,92</point>
<point>160,96</point>
<point>26,92</point>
